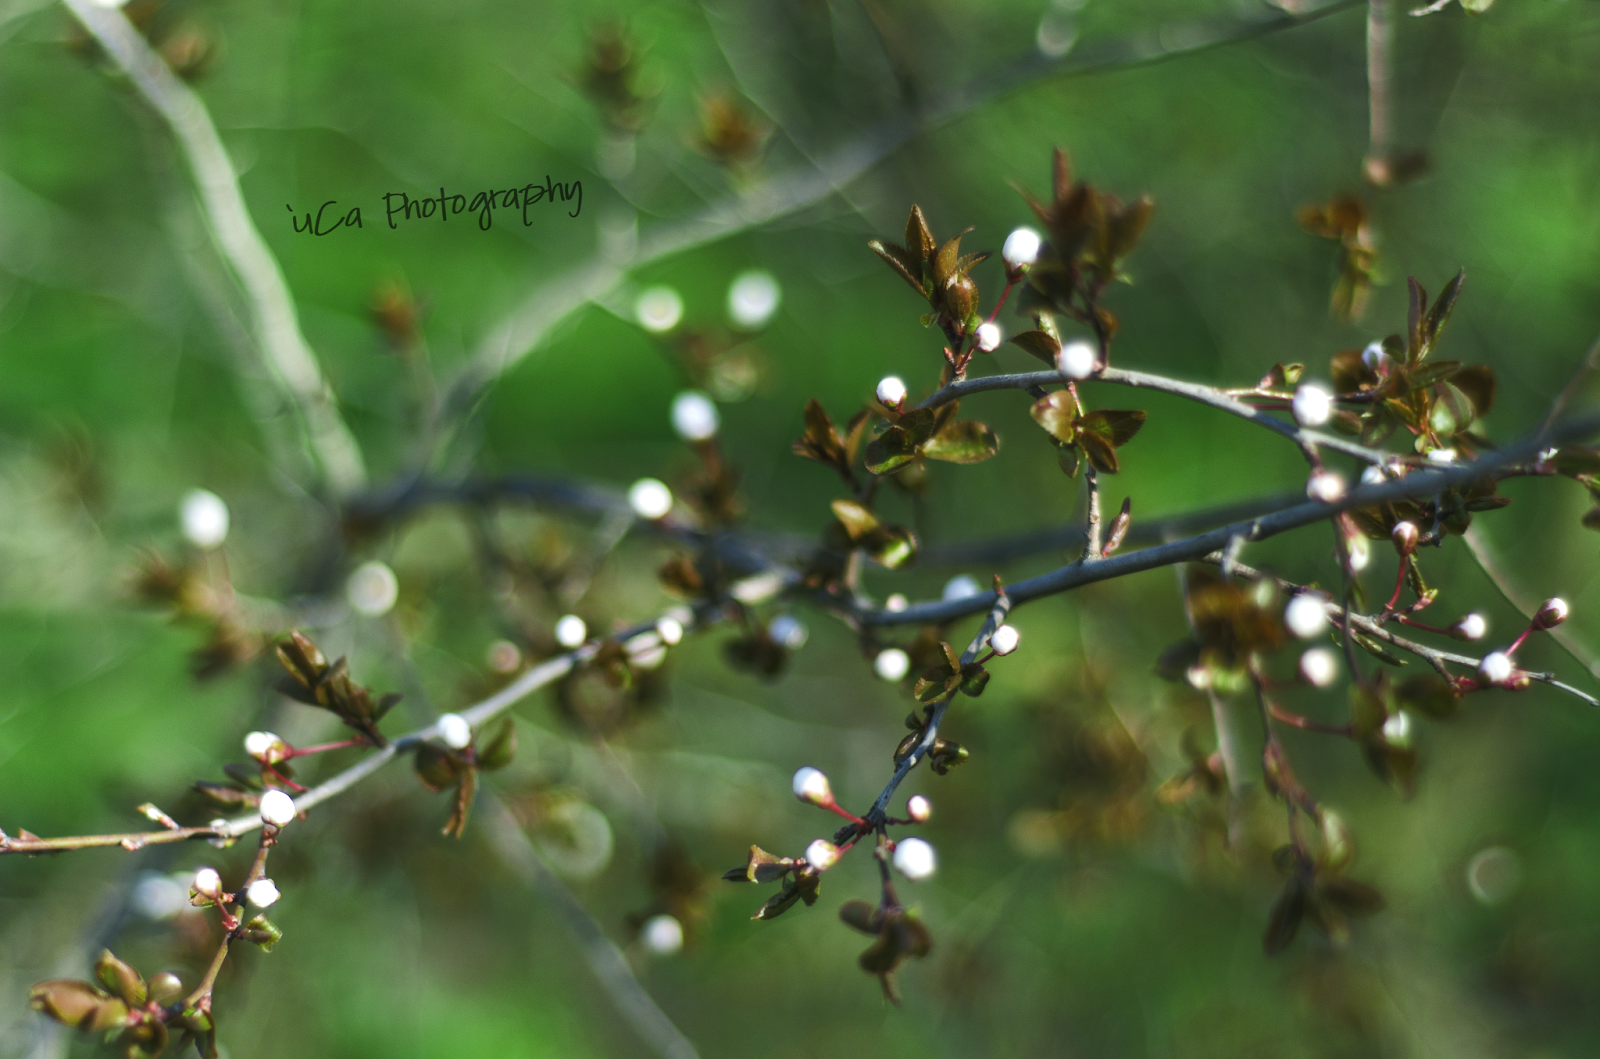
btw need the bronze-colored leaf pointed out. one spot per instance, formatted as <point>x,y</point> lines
<point>1057,412</point>
<point>1040,344</point>
<point>964,441</point>
<point>1284,922</point>
<point>858,521</point>
<point>499,751</point>
<point>897,258</point>
<point>120,980</point>
<point>919,237</point>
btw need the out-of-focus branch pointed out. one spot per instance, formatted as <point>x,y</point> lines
<point>276,324</point>
<point>1380,65</point>
<point>607,962</point>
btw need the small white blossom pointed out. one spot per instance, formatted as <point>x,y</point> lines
<point>892,664</point>
<point>658,309</point>
<point>1326,487</point>
<point>960,587</point>
<point>277,808</point>
<point>1021,248</point>
<point>1004,640</point>
<point>753,298</point>
<point>650,498</point>
<point>204,518</point>
<point>454,731</point>
<point>1306,615</point>
<point>661,935</point>
<point>1473,627</point>
<point>1552,612</point>
<point>1077,360</point>
<point>1312,405</point>
<point>822,854</point>
<point>891,390</point>
<point>919,809</point>
<point>1496,668</point>
<point>571,631</point>
<point>989,337</point>
<point>372,589</point>
<point>1373,475</point>
<point>788,631</point>
<point>812,787</point>
<point>670,630</point>
<point>914,858</point>
<point>263,893</point>
<point>694,416</point>
<point>1319,667</point>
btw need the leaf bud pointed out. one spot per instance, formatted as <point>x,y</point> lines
<point>822,854</point>
<point>571,631</point>
<point>277,808</point>
<point>1472,627</point>
<point>812,787</point>
<point>694,416</point>
<point>1405,536</point>
<point>989,337</point>
<point>650,498</point>
<point>1312,405</point>
<point>914,858</point>
<point>892,391</point>
<point>919,809</point>
<point>1004,640</point>
<point>1496,668</point>
<point>1319,667</point>
<point>1551,612</point>
<point>1077,360</point>
<point>454,731</point>
<point>263,893</point>
<point>892,664</point>
<point>1306,615</point>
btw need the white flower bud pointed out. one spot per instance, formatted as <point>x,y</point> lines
<point>1021,248</point>
<point>454,731</point>
<point>1312,405</point>
<point>263,893</point>
<point>811,786</point>
<point>914,858</point>
<point>892,664</point>
<point>892,390</point>
<point>753,298</point>
<point>277,808</point>
<point>1473,627</point>
<point>1077,360</point>
<point>571,631</point>
<point>1496,668</point>
<point>1306,615</point>
<point>788,631</point>
<point>1319,667</point>
<point>896,603</point>
<point>1375,358</point>
<point>1373,475</point>
<point>1442,456</point>
<point>1360,550</point>
<point>658,309</point>
<point>822,854</point>
<point>372,589</point>
<point>1004,640</point>
<point>1405,536</point>
<point>650,498</point>
<point>919,809</point>
<point>670,630</point>
<point>1552,612</point>
<point>264,746</point>
<point>694,416</point>
<point>207,883</point>
<point>960,587</point>
<point>204,518</point>
<point>989,337</point>
<point>661,935</point>
<point>1397,729</point>
<point>1325,487</point>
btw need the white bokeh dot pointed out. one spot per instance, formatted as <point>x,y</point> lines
<point>753,298</point>
<point>372,589</point>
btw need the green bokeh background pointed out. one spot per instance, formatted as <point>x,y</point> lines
<point>120,390</point>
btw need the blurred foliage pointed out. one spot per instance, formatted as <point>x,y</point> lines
<point>1076,912</point>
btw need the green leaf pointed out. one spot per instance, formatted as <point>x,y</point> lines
<point>1101,453</point>
<point>858,521</point>
<point>1040,344</point>
<point>1058,413</point>
<point>890,451</point>
<point>964,441</point>
<point>1439,315</point>
<point>892,547</point>
<point>500,750</point>
<point>120,980</point>
<point>1116,427</point>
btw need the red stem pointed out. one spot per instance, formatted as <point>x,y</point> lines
<point>1305,723</point>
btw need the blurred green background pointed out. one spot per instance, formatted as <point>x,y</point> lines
<point>1074,913</point>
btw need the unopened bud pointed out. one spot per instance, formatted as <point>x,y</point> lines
<point>892,391</point>
<point>1405,536</point>
<point>1319,667</point>
<point>207,883</point>
<point>1373,475</point>
<point>822,854</point>
<point>277,808</point>
<point>1312,405</point>
<point>1021,250</point>
<point>204,518</point>
<point>914,858</point>
<point>670,630</point>
<point>1496,668</point>
<point>988,337</point>
<point>694,417</point>
<point>263,893</point>
<point>812,787</point>
<point>661,935</point>
<point>918,809</point>
<point>1473,627</point>
<point>266,748</point>
<point>650,499</point>
<point>454,731</point>
<point>1552,612</point>
<point>1004,640</point>
<point>1326,487</point>
<point>1077,360</point>
<point>571,631</point>
<point>892,664</point>
<point>1306,615</point>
